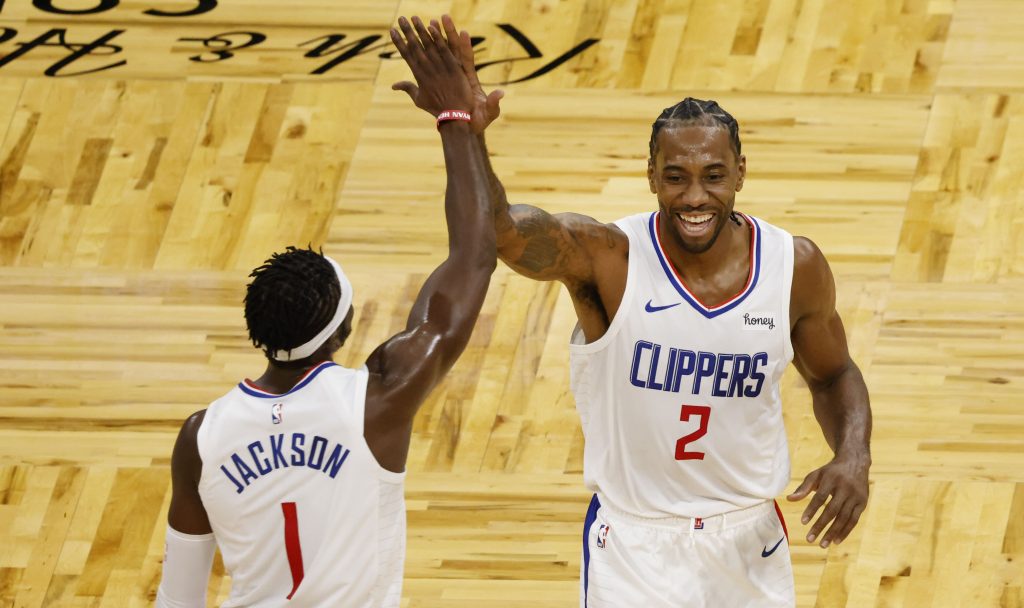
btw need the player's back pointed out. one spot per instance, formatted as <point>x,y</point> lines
<point>302,513</point>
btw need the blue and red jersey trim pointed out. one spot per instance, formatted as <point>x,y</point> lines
<point>672,274</point>
<point>249,388</point>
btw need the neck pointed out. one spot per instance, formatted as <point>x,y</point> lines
<point>279,380</point>
<point>730,245</point>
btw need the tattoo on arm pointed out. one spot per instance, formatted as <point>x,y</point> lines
<point>541,252</point>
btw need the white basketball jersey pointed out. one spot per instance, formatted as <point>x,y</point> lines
<point>680,402</point>
<point>302,513</point>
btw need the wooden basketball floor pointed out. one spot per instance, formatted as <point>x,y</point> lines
<point>134,199</point>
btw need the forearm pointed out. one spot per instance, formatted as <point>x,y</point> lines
<point>450,299</point>
<point>186,570</point>
<point>468,208</point>
<point>503,223</point>
<point>843,410</point>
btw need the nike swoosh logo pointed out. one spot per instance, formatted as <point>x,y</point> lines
<point>766,551</point>
<point>650,308</point>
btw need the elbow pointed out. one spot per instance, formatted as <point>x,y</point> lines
<point>489,261</point>
<point>480,257</point>
<point>490,265</point>
<point>480,269</point>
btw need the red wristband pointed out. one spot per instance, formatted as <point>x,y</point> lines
<point>452,115</point>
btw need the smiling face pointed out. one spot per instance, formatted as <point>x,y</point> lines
<point>696,174</point>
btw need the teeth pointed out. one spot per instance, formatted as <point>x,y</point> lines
<point>695,219</point>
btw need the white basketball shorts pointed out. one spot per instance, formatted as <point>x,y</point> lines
<point>735,560</point>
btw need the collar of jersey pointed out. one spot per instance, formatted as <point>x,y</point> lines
<point>249,388</point>
<point>677,281</point>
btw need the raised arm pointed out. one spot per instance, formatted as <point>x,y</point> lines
<point>840,399</point>
<point>565,247</point>
<point>407,367</point>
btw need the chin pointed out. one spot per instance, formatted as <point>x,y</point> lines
<point>697,246</point>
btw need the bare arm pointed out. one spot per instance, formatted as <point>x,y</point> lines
<point>190,547</point>
<point>544,246</point>
<point>839,395</point>
<point>407,367</point>
<point>565,247</point>
<point>187,513</point>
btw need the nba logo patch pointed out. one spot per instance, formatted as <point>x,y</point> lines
<point>698,523</point>
<point>602,536</point>
<point>276,413</point>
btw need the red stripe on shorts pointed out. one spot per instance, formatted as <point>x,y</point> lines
<point>782,519</point>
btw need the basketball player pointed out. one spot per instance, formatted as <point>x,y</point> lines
<point>688,316</point>
<point>297,476</point>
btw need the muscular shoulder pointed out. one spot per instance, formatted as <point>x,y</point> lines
<point>185,458</point>
<point>190,428</point>
<point>813,285</point>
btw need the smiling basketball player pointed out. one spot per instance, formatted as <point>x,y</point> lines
<point>688,316</point>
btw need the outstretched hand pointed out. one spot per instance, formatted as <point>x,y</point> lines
<point>485,107</point>
<point>846,481</point>
<point>441,83</point>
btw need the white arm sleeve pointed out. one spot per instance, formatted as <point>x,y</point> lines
<point>187,562</point>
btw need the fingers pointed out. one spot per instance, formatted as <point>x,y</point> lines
<point>423,48</point>
<point>846,500</point>
<point>403,48</point>
<point>409,88</point>
<point>827,515</point>
<point>820,496</point>
<point>810,483</point>
<point>414,48</point>
<point>443,49</point>
<point>452,36</point>
<point>839,532</point>
<point>425,37</point>
<point>466,58</point>
<point>495,96</point>
<point>840,522</point>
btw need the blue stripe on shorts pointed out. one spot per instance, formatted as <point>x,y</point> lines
<point>595,504</point>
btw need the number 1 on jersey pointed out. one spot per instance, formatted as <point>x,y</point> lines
<point>699,410</point>
<point>291,544</point>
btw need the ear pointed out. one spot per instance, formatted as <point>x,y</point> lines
<point>650,176</point>
<point>742,170</point>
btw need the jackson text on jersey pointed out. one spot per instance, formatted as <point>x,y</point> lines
<point>294,451</point>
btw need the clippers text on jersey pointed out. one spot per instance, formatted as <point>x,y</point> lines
<point>658,368</point>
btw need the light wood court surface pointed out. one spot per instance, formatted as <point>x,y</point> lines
<point>134,200</point>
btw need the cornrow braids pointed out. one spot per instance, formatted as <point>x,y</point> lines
<point>291,298</point>
<point>692,111</point>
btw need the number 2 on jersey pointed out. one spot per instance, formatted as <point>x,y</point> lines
<point>291,544</point>
<point>689,410</point>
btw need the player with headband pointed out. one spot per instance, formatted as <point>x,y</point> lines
<point>297,476</point>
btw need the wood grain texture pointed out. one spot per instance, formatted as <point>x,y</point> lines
<point>133,203</point>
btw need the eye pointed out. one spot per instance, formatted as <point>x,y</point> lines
<point>716,177</point>
<point>673,179</point>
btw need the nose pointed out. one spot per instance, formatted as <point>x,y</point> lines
<point>695,194</point>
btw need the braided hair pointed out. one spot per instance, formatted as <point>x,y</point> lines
<point>692,111</point>
<point>291,298</point>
